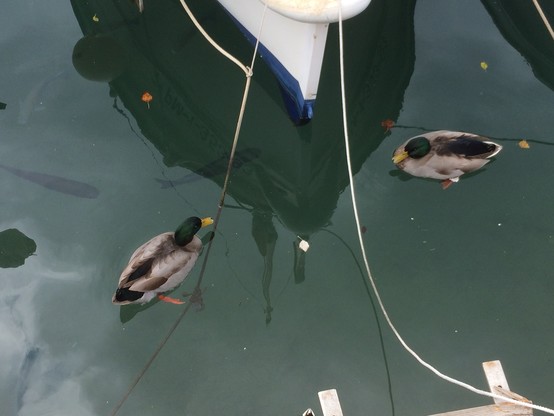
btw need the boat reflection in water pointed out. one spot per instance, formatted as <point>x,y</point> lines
<point>521,25</point>
<point>294,175</point>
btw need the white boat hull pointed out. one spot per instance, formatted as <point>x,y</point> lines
<point>317,11</point>
<point>293,49</point>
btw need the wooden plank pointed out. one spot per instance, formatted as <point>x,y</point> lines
<point>504,409</point>
<point>498,385</point>
<point>330,404</point>
<point>495,377</point>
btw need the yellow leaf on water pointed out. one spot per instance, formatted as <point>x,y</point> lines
<point>484,65</point>
<point>523,144</point>
<point>95,18</point>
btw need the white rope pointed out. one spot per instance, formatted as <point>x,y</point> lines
<point>249,73</point>
<point>543,17</point>
<point>258,38</point>
<point>213,42</point>
<point>366,263</point>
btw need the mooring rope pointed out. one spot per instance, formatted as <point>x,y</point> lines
<point>248,72</point>
<point>366,263</point>
<point>213,42</point>
<point>543,17</point>
<point>139,376</point>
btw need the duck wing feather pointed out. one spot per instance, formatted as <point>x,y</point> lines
<point>464,145</point>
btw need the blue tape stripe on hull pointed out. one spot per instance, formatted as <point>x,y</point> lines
<point>300,110</point>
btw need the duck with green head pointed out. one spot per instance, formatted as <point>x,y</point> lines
<point>444,155</point>
<point>161,264</point>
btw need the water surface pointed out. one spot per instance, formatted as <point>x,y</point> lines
<point>466,274</point>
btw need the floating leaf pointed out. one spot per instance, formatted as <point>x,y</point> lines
<point>3,106</point>
<point>303,244</point>
<point>523,144</point>
<point>387,124</point>
<point>95,18</point>
<point>484,65</point>
<point>147,97</point>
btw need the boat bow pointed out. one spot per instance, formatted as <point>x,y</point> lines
<point>292,42</point>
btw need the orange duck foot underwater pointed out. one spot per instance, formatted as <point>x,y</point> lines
<point>161,264</point>
<point>444,155</point>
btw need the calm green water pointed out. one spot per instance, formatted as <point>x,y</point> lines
<point>466,274</point>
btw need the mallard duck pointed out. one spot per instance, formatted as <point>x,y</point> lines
<point>161,264</point>
<point>444,155</point>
